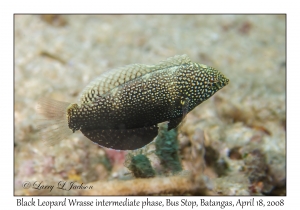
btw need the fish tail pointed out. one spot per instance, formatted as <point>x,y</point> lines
<point>53,127</point>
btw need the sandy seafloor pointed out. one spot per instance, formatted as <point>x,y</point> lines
<point>235,142</point>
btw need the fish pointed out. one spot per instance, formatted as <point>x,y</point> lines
<point>121,109</point>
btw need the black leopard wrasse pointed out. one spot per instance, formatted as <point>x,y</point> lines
<point>121,108</point>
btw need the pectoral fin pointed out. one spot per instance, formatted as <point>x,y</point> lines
<point>185,107</point>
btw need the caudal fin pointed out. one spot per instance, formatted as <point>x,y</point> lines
<point>53,125</point>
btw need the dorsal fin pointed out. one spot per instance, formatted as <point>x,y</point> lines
<point>116,77</point>
<point>174,61</point>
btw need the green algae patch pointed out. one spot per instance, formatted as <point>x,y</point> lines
<point>167,149</point>
<point>141,167</point>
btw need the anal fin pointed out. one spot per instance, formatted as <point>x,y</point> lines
<point>122,139</point>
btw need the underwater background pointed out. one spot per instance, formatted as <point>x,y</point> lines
<point>232,144</point>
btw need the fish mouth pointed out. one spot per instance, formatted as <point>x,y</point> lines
<point>225,81</point>
<point>218,81</point>
<point>221,82</point>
